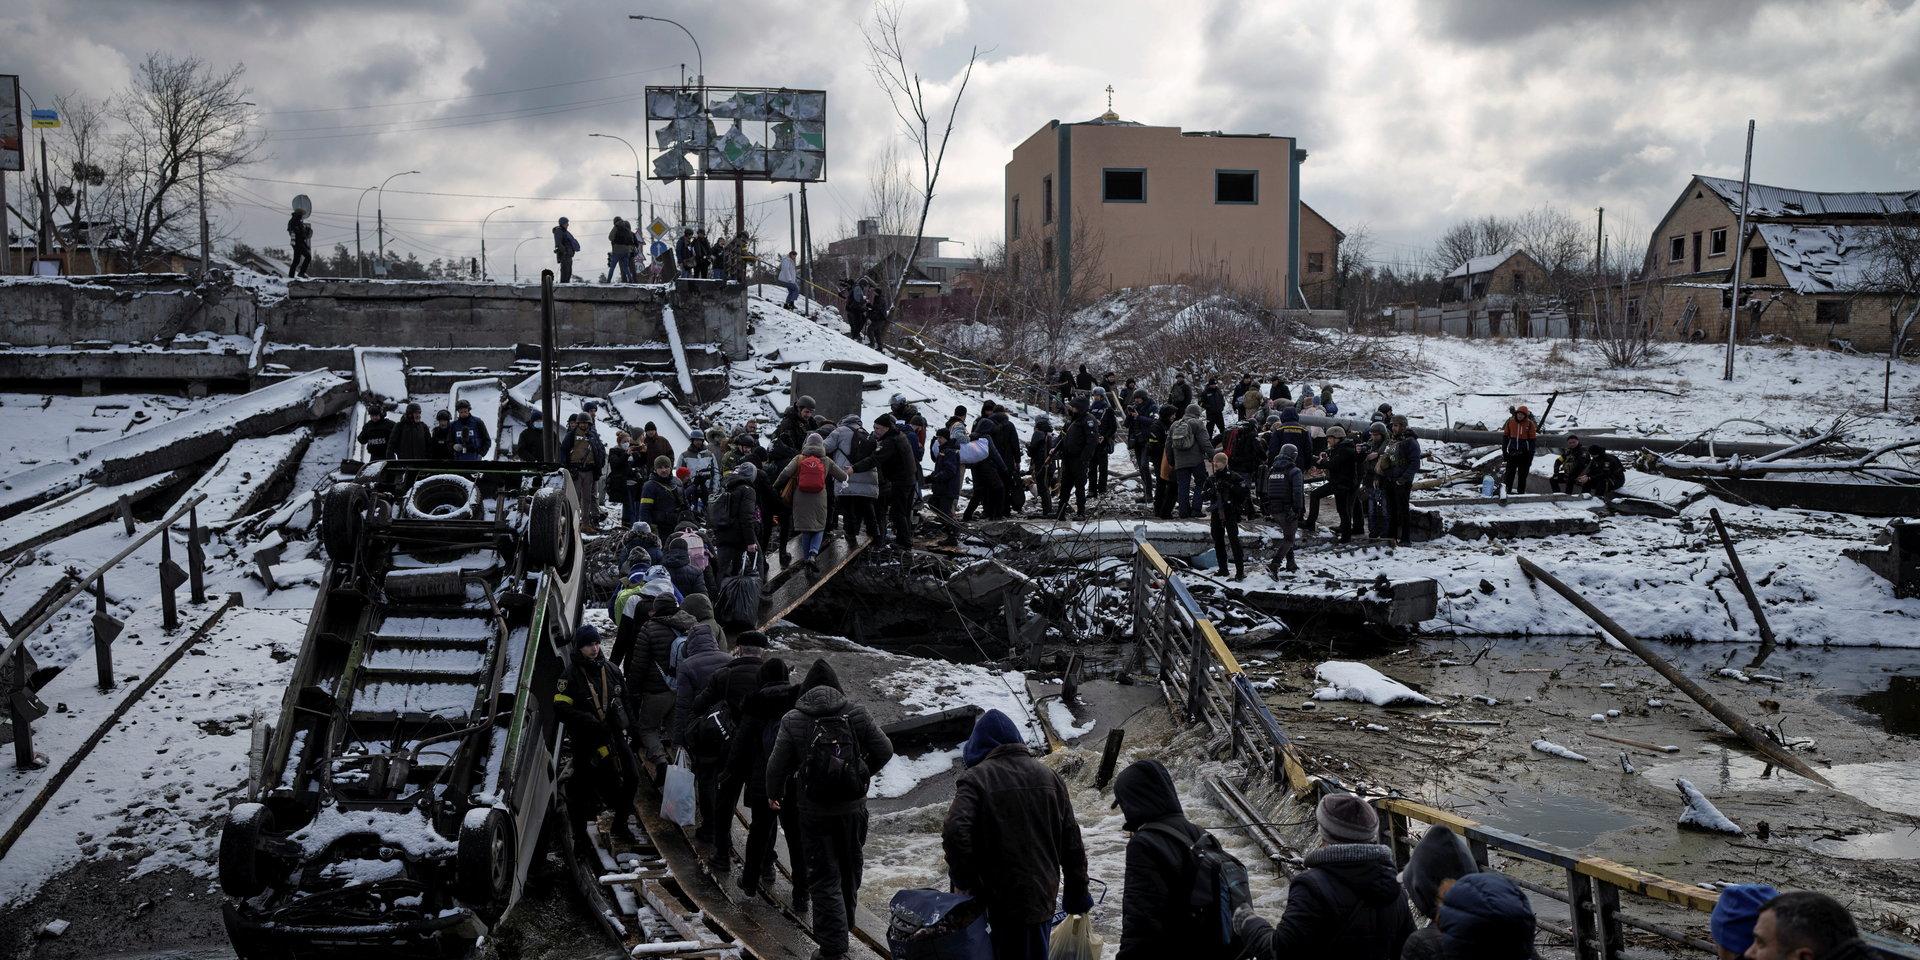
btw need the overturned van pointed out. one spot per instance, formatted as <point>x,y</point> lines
<point>396,802</point>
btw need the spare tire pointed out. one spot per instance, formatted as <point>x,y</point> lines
<point>443,496</point>
<point>343,518</point>
<point>243,862</point>
<point>485,861</point>
<point>550,534</point>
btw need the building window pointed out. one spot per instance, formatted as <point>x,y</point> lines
<point>1316,262</point>
<point>1832,311</point>
<point>1718,245</point>
<point>1633,311</point>
<point>1124,185</point>
<point>1046,199</point>
<point>1519,284</point>
<point>1236,186</point>
<point>1758,257</point>
<point>1016,218</point>
<point>1676,249</point>
<point>1046,255</point>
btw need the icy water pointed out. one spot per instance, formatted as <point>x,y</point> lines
<point>1562,819</point>
<point>1897,707</point>
<point>1893,787</point>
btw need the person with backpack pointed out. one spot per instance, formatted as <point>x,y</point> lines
<point>715,722</point>
<point>589,701</point>
<point>859,494</point>
<point>651,624</point>
<point>833,748</point>
<point>735,520</point>
<point>1181,887</point>
<point>1285,493</point>
<point>1348,903</point>
<point>1075,449</point>
<point>470,438</point>
<point>564,247</point>
<point>943,486</point>
<point>892,461</point>
<point>1517,438</point>
<point>1192,449</point>
<point>1226,499</point>
<point>1164,490</point>
<point>773,696</point>
<point>410,439</point>
<point>1011,839</point>
<point>1403,465</point>
<point>1040,456</point>
<point>700,657</point>
<point>804,485</point>
<point>1180,394</point>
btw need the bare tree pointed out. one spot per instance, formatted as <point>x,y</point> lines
<point>1033,298</point>
<point>1473,237</point>
<point>1893,273</point>
<point>1623,315</point>
<point>887,60</point>
<point>83,133</point>
<point>179,114</point>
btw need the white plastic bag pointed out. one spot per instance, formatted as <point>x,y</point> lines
<point>677,798</point>
<point>1073,939</point>
<point>974,451</point>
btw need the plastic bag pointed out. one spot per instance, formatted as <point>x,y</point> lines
<point>1073,939</point>
<point>677,802</point>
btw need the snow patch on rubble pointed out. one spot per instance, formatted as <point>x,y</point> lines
<point>1348,680</point>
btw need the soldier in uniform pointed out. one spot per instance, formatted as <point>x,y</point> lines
<point>589,701</point>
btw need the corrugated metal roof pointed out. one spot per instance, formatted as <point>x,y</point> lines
<point>1485,264</point>
<point>1820,258</point>
<point>1767,201</point>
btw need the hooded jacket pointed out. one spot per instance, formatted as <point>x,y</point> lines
<point>643,656</point>
<point>699,606</point>
<point>1010,831</point>
<point>759,722</point>
<point>679,564</point>
<point>822,698</point>
<point>1154,913</point>
<point>892,462</point>
<point>1343,464</point>
<point>1347,903</point>
<point>745,504</point>
<point>1440,856</point>
<point>947,473</point>
<point>1487,917</point>
<point>1202,449</point>
<point>699,661</point>
<point>410,440</point>
<point>840,443</point>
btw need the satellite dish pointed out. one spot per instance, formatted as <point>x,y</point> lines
<point>303,203</point>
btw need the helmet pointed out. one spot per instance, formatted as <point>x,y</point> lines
<point>697,435</point>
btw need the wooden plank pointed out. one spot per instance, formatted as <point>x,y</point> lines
<point>778,939</point>
<point>784,601</point>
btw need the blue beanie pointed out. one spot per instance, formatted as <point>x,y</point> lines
<point>1289,415</point>
<point>1736,912</point>
<point>991,731</point>
<point>585,635</point>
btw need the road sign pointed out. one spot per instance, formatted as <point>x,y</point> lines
<point>658,228</point>
<point>46,119</point>
<point>11,156</point>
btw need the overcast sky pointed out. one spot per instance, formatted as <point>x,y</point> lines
<point>1415,114</point>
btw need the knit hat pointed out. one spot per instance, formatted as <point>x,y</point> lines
<point>1345,818</point>
<point>1377,427</point>
<point>814,446</point>
<point>1289,415</point>
<point>751,638</point>
<point>661,463</point>
<point>884,420</point>
<point>745,471</point>
<point>585,636</point>
<point>1734,915</point>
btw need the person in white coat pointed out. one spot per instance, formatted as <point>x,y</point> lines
<point>790,278</point>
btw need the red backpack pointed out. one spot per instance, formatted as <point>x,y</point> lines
<point>811,476</point>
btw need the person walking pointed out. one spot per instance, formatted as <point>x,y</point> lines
<point>1164,490</point>
<point>789,277</point>
<point>1285,494</point>
<point>1214,401</point>
<point>1226,499</point>
<point>892,462</point>
<point>833,748</point>
<point>943,485</point>
<point>1192,449</point>
<point>1403,466</point>
<point>770,813</point>
<point>410,439</point>
<point>590,702</point>
<point>804,485</point>
<point>1012,841</point>
<point>585,457</point>
<point>660,504</point>
<point>651,621</point>
<point>1158,918</point>
<point>1076,447</point>
<point>879,316</point>
<point>1107,421</point>
<point>700,660</point>
<point>300,237</point>
<point>859,494</point>
<point>564,247</point>
<point>1347,903</point>
<point>1139,437</point>
<point>471,441</point>
<point>626,245</point>
<point>1040,457</point>
<point>1517,441</point>
<point>735,519</point>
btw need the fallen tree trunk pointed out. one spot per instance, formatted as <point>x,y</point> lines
<point>1775,753</point>
<point>1556,441</point>
<point>1746,590</point>
<point>1762,466</point>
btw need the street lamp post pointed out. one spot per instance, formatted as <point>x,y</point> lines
<point>483,240</point>
<point>380,215</point>
<point>639,198</point>
<point>700,63</point>
<point>359,259</point>
<point>516,256</point>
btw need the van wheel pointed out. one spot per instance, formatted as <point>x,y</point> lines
<point>243,865</point>
<point>550,533</point>
<point>484,863</point>
<point>343,518</point>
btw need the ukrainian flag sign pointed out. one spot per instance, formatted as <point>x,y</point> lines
<point>43,119</point>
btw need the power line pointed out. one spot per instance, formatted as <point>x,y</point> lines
<point>471,96</point>
<point>449,126</point>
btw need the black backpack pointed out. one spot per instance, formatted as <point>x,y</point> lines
<point>724,515</point>
<point>862,446</point>
<point>834,770</point>
<point>1219,886</point>
<point>711,732</point>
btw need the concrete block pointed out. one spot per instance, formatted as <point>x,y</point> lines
<point>835,394</point>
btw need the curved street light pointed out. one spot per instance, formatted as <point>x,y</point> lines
<point>700,63</point>
<point>380,214</point>
<point>639,182</point>
<point>483,239</point>
<point>360,261</point>
<point>516,255</point>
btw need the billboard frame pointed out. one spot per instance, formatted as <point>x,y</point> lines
<point>703,167</point>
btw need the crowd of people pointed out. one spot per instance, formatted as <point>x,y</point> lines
<point>632,259</point>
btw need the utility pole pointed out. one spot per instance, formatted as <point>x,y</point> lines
<point>792,226</point>
<point>1600,243</point>
<point>46,208</point>
<point>6,229</point>
<point>1739,254</point>
<point>206,245</point>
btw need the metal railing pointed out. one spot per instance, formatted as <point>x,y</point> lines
<point>23,707</point>
<point>1201,677</point>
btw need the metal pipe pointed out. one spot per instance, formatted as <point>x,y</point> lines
<point>1739,254</point>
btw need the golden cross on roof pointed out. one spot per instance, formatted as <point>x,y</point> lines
<point>1109,98</point>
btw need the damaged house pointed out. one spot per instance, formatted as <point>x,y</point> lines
<point>1805,269</point>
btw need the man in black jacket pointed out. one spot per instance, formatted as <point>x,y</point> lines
<point>442,436</point>
<point>589,702</point>
<point>1010,836</point>
<point>1040,456</point>
<point>736,519</point>
<point>828,744</point>
<point>893,458</point>
<point>1156,919</point>
<point>410,439</point>
<point>1214,402</point>
<point>529,447</point>
<point>643,649</point>
<point>1074,449</point>
<point>730,685</point>
<point>1006,442</point>
<point>374,433</point>
<point>1348,903</point>
<point>1342,463</point>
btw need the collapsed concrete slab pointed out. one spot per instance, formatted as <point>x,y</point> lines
<point>79,509</point>
<point>239,483</point>
<point>182,442</point>
<point>835,393</point>
<point>1516,517</point>
<point>1388,603</point>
